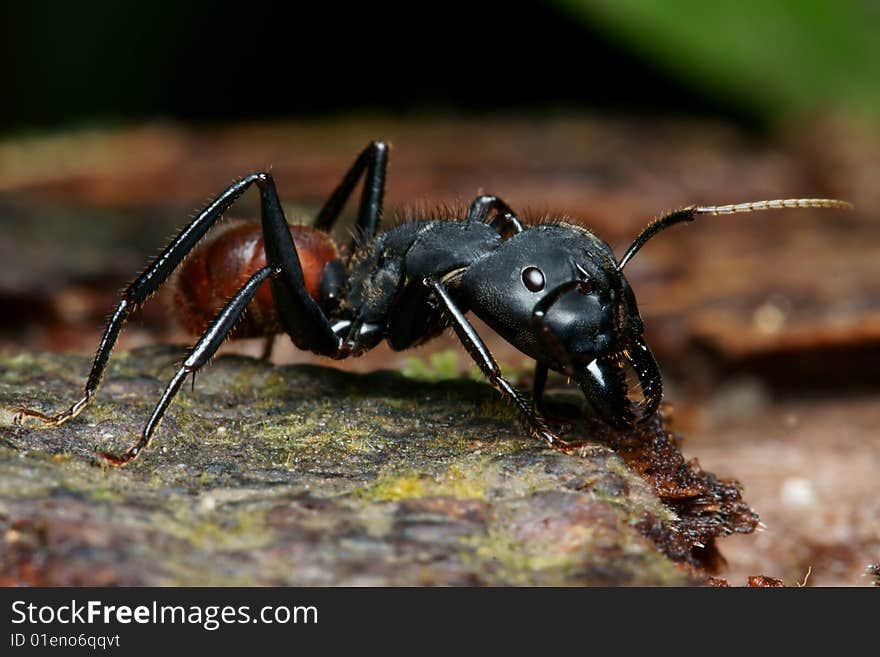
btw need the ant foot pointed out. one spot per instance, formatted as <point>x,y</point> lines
<point>108,460</point>
<point>47,420</point>
<point>556,443</point>
<point>51,420</point>
<point>560,425</point>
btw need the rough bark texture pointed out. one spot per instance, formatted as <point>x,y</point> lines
<point>766,326</point>
<point>309,475</point>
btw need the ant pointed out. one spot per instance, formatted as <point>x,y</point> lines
<point>553,290</point>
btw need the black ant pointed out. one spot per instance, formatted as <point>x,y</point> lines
<point>553,290</point>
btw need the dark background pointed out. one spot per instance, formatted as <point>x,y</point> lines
<point>228,59</point>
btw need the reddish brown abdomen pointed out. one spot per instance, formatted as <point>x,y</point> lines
<point>223,263</point>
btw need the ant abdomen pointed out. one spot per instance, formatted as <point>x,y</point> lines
<point>220,266</point>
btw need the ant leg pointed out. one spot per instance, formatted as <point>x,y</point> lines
<point>140,290</point>
<point>484,360</point>
<point>505,220</point>
<point>539,382</point>
<point>200,354</point>
<point>300,315</point>
<point>268,347</point>
<point>374,160</point>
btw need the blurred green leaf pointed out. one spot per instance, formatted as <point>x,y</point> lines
<point>439,366</point>
<point>773,58</point>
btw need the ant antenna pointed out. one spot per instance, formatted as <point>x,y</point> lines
<point>690,213</point>
<point>776,204</point>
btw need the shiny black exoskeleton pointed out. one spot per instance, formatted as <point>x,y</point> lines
<point>553,290</point>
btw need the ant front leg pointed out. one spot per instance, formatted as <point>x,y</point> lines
<point>484,360</point>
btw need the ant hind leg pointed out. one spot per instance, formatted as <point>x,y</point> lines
<point>298,312</point>
<point>156,273</point>
<point>200,354</point>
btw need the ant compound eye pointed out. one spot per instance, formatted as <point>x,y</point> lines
<point>533,279</point>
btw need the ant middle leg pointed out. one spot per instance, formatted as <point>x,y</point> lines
<point>372,163</point>
<point>505,220</point>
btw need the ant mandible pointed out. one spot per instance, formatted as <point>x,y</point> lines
<point>553,290</point>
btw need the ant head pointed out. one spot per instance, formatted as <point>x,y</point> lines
<point>555,293</point>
